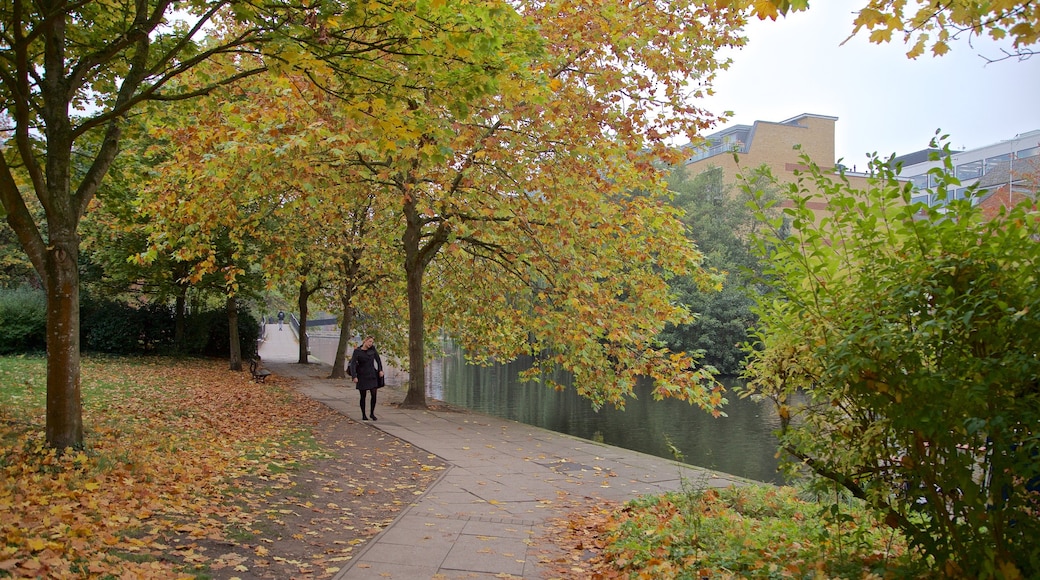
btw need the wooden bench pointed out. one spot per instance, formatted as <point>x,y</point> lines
<point>256,368</point>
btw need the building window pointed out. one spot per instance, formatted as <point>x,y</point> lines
<point>920,181</point>
<point>1026,153</point>
<point>996,161</point>
<point>970,170</point>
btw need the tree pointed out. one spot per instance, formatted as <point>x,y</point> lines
<point>367,276</point>
<point>520,201</point>
<point>69,75</point>
<point>899,347</point>
<point>264,165</point>
<point>15,268</point>
<point>720,222</point>
<point>223,205</point>
<point>113,231</point>
<point>488,151</point>
<point>1018,20</point>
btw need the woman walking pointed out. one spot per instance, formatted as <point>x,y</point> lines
<point>366,368</point>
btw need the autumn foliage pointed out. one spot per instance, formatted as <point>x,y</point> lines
<point>924,24</point>
<point>181,468</point>
<point>735,532</point>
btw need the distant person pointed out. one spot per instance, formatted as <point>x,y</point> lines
<point>281,319</point>
<point>366,368</point>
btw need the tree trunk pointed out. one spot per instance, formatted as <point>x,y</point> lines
<point>339,368</point>
<point>303,341</point>
<point>416,258</point>
<point>178,319</point>
<point>233,337</point>
<point>64,397</point>
<point>416,395</point>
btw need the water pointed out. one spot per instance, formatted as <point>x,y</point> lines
<point>740,444</point>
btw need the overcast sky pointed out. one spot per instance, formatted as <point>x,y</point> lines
<point>884,101</point>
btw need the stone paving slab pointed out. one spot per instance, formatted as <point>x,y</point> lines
<point>484,516</point>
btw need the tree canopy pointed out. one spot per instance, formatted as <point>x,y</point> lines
<point>926,25</point>
<point>720,222</point>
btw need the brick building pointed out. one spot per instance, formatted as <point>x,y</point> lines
<point>774,145</point>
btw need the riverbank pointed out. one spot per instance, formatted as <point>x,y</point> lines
<point>741,443</point>
<point>518,501</point>
<point>489,512</point>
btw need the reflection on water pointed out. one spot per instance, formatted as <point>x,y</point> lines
<point>740,444</point>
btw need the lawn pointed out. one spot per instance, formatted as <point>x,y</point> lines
<point>190,470</point>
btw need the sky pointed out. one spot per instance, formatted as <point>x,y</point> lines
<point>884,102</point>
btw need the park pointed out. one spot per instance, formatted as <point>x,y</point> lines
<point>503,174</point>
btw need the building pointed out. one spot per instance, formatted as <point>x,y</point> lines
<point>778,146</point>
<point>768,143</point>
<point>995,175</point>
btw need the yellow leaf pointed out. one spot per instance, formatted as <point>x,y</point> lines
<point>765,9</point>
<point>1010,571</point>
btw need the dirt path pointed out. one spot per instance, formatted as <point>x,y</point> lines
<point>313,520</point>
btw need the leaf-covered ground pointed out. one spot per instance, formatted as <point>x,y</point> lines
<point>192,471</point>
<point>732,533</point>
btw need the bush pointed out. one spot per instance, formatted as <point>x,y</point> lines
<point>23,320</point>
<point>119,328</point>
<point>909,336</point>
<point>749,532</point>
<point>206,334</point>
<point>115,327</point>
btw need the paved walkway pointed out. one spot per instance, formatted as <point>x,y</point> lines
<point>483,517</point>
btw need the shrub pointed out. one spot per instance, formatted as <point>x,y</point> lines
<point>206,334</point>
<point>909,335</point>
<point>23,320</point>
<point>115,327</point>
<point>751,532</point>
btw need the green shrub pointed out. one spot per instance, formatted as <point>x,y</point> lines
<point>900,347</point>
<point>119,328</point>
<point>23,320</point>
<point>206,334</point>
<point>115,327</point>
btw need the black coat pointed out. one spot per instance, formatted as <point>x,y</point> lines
<point>366,365</point>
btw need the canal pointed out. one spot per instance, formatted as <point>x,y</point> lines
<point>742,443</point>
